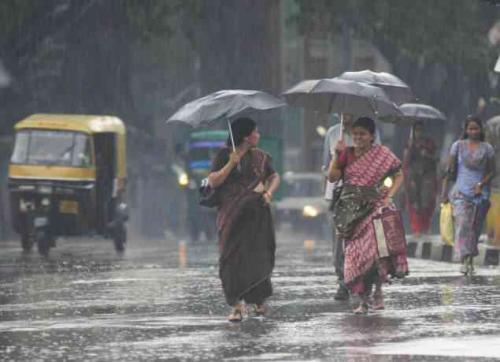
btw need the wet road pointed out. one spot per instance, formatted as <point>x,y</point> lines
<point>160,301</point>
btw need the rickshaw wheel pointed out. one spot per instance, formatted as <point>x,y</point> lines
<point>27,242</point>
<point>43,243</point>
<point>120,238</point>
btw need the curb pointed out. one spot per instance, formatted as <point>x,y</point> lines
<point>432,248</point>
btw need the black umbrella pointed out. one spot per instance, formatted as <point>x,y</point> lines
<point>224,104</point>
<point>397,90</point>
<point>413,112</point>
<point>343,96</point>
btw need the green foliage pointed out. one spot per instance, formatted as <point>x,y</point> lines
<point>13,15</point>
<point>152,18</point>
<point>445,31</point>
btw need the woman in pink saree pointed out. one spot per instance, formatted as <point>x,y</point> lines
<point>364,168</point>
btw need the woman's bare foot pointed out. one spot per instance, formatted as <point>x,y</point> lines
<point>236,314</point>
<point>471,265</point>
<point>361,309</point>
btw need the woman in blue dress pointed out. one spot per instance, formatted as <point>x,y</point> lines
<point>472,162</point>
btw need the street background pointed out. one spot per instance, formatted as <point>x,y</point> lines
<point>141,60</point>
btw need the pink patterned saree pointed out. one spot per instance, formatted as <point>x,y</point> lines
<point>363,266</point>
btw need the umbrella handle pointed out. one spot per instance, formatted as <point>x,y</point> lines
<point>231,135</point>
<point>232,141</point>
<point>341,136</point>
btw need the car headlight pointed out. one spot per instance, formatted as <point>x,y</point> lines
<point>310,211</point>
<point>183,179</point>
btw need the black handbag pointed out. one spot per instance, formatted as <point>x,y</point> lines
<point>207,195</point>
<point>337,191</point>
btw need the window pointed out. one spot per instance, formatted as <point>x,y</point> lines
<point>55,148</point>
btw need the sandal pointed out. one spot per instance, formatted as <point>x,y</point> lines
<point>236,315</point>
<point>362,309</point>
<point>378,301</point>
<point>260,309</point>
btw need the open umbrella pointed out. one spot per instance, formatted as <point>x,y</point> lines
<point>342,96</point>
<point>396,89</point>
<point>413,112</point>
<point>493,131</point>
<point>224,104</point>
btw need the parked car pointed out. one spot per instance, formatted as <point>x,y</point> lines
<point>302,205</point>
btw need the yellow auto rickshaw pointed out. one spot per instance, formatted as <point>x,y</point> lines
<point>67,177</point>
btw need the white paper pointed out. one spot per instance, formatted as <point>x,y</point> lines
<point>380,236</point>
<point>329,190</point>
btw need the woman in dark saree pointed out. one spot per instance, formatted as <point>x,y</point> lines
<point>420,172</point>
<point>245,181</point>
<point>364,169</point>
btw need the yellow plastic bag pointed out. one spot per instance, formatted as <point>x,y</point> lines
<point>446,226</point>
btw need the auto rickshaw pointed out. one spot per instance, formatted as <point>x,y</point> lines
<point>67,177</point>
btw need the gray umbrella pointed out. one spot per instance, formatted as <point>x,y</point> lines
<point>396,89</point>
<point>342,96</point>
<point>413,112</point>
<point>224,104</point>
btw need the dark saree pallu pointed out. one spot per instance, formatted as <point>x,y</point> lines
<point>361,203</point>
<point>246,232</point>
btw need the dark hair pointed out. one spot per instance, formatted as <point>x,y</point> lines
<point>418,124</point>
<point>241,127</point>
<point>476,120</point>
<point>366,123</point>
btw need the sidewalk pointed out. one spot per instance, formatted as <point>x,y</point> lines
<point>431,247</point>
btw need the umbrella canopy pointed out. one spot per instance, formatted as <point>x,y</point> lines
<point>493,133</point>
<point>342,96</point>
<point>224,104</point>
<point>413,112</point>
<point>397,90</point>
<point>494,121</point>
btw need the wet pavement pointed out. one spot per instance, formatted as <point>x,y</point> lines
<point>162,300</point>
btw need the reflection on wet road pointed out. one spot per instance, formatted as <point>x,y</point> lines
<point>163,301</point>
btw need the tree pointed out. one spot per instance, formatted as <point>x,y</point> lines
<point>75,56</point>
<point>438,47</point>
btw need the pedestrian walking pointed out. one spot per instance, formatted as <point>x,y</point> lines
<point>471,164</point>
<point>420,174</point>
<point>492,129</point>
<point>245,182</point>
<point>333,135</point>
<point>364,168</point>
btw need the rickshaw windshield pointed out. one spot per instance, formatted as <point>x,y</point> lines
<point>55,148</point>
<point>201,153</point>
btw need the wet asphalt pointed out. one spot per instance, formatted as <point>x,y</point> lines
<point>162,300</point>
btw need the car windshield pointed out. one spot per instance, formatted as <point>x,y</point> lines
<point>302,188</point>
<point>55,148</point>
